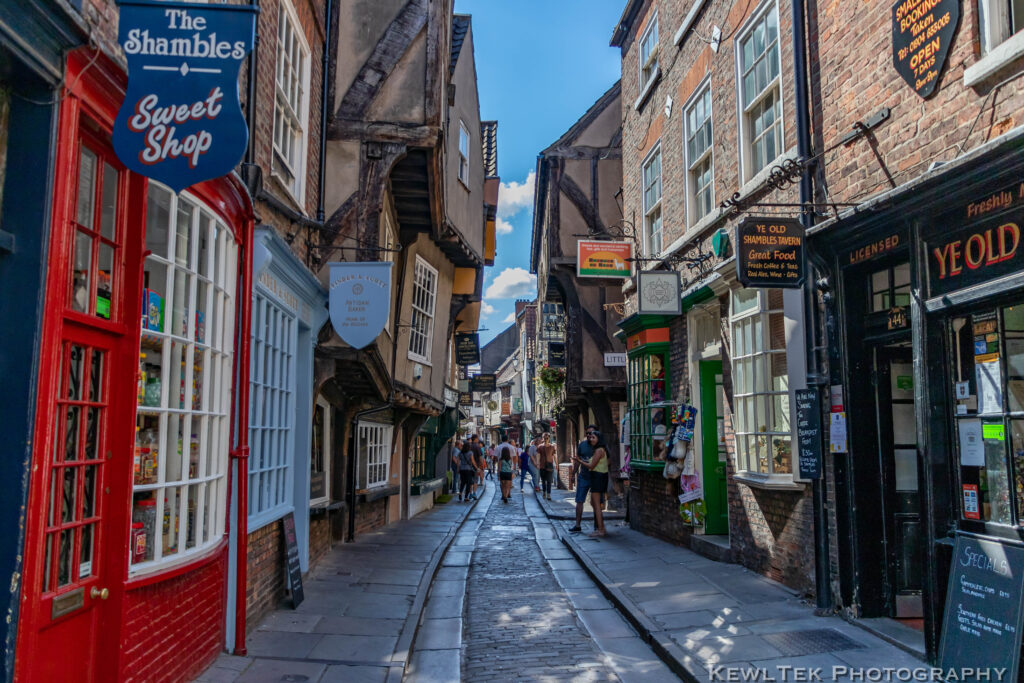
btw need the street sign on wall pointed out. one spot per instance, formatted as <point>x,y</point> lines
<point>181,121</point>
<point>922,33</point>
<point>770,252</point>
<point>359,300</point>
<point>598,258</point>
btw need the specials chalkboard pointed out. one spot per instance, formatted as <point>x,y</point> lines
<point>808,433</point>
<point>292,559</point>
<point>984,616</point>
<point>770,252</point>
<point>922,33</point>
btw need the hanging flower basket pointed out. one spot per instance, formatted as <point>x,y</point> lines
<point>551,378</point>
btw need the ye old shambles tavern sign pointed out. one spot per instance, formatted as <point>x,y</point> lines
<point>181,122</point>
<point>770,252</point>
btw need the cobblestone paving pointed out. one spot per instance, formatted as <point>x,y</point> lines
<point>520,625</point>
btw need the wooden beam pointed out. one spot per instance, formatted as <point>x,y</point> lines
<point>582,203</point>
<point>413,135</point>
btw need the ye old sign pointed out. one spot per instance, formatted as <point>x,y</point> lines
<point>181,121</point>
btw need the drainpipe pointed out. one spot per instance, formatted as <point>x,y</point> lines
<point>324,69</point>
<point>803,127</point>
<point>250,98</point>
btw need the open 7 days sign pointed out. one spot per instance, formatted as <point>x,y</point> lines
<point>181,122</point>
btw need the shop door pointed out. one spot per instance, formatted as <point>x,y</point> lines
<point>897,449</point>
<point>713,448</point>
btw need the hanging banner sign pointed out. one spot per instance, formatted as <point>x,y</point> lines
<point>922,33</point>
<point>181,121</point>
<point>556,354</point>
<point>465,399</point>
<point>360,300</point>
<point>467,349</point>
<point>485,383</point>
<point>597,258</point>
<point>770,252</point>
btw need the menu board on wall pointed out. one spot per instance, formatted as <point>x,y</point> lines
<point>922,33</point>
<point>808,431</point>
<point>982,625</point>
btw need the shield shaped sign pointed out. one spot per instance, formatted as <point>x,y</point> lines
<point>181,121</point>
<point>360,300</point>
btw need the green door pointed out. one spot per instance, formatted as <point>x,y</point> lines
<point>713,447</point>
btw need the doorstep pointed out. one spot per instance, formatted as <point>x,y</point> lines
<point>714,547</point>
<point>891,630</point>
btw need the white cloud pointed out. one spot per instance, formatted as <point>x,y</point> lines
<point>514,197</point>
<point>486,308</point>
<point>509,319</point>
<point>512,283</point>
<point>503,227</point>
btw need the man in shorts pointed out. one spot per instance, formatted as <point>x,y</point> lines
<point>583,452</point>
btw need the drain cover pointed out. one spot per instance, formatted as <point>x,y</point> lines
<point>814,641</point>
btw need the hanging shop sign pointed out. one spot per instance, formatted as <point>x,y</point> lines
<point>597,258</point>
<point>922,33</point>
<point>360,300</point>
<point>465,399</point>
<point>181,121</point>
<point>659,292</point>
<point>983,620</point>
<point>615,360</point>
<point>467,349</point>
<point>517,405</point>
<point>770,252</point>
<point>808,433</point>
<point>484,383</point>
<point>556,354</point>
<point>972,256</point>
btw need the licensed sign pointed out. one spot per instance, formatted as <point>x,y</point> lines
<point>484,383</point>
<point>770,252</point>
<point>922,33</point>
<point>181,121</point>
<point>981,628</point>
<point>359,300</point>
<point>659,292</point>
<point>556,354</point>
<point>597,258</point>
<point>467,349</point>
<point>808,433</point>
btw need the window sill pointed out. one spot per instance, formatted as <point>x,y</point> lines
<point>717,214</point>
<point>646,91</point>
<point>262,519</point>
<point>378,492</point>
<point>289,196</point>
<point>426,485</point>
<point>419,359</point>
<point>1001,56</point>
<point>760,179</point>
<point>768,482</point>
<point>168,569</point>
<point>647,465</point>
<point>464,184</point>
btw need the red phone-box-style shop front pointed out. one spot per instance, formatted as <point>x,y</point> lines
<point>143,376</point>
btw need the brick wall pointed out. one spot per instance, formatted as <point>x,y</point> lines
<point>654,509</point>
<point>267,579</point>
<point>173,630</point>
<point>372,515</point>
<point>319,538</point>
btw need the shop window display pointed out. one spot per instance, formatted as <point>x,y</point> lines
<point>650,414</point>
<point>95,242</point>
<point>184,380</point>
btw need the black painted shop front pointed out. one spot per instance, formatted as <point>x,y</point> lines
<point>924,319</point>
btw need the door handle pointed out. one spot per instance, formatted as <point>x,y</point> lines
<point>95,593</point>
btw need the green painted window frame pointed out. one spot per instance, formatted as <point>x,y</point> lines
<point>648,394</point>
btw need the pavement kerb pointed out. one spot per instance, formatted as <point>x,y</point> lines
<point>670,653</point>
<point>407,638</point>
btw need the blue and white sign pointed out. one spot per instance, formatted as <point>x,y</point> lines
<point>181,121</point>
<point>360,300</point>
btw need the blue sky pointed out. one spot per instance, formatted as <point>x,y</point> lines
<point>540,64</point>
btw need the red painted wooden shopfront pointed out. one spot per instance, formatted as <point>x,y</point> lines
<point>144,364</point>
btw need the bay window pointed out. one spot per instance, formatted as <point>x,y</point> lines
<point>650,409</point>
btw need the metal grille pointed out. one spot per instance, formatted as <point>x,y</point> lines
<point>814,641</point>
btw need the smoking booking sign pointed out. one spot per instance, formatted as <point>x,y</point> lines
<point>181,121</point>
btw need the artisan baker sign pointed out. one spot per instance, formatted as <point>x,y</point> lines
<point>181,121</point>
<point>922,33</point>
<point>770,252</point>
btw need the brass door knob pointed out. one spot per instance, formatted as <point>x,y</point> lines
<point>97,593</point>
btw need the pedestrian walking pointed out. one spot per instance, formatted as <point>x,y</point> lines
<point>525,467</point>
<point>478,463</point>
<point>489,458</point>
<point>467,472</point>
<point>535,464</point>
<point>581,475</point>
<point>546,456</point>
<point>456,481</point>
<point>597,466</point>
<point>505,466</point>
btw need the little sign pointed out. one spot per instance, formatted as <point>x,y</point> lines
<point>181,121</point>
<point>615,360</point>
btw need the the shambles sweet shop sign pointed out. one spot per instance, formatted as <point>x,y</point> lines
<point>181,121</point>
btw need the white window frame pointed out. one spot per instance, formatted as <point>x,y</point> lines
<point>322,403</point>
<point>655,208</point>
<point>648,65</point>
<point>706,156</point>
<point>465,142</point>
<point>291,105</point>
<point>996,23</point>
<point>272,405</point>
<point>422,308</point>
<point>750,388</point>
<point>374,442</point>
<point>773,88</point>
<point>210,349</point>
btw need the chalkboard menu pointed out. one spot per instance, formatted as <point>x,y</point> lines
<point>292,559</point>
<point>770,252</point>
<point>983,620</point>
<point>922,33</point>
<point>808,433</point>
<point>467,349</point>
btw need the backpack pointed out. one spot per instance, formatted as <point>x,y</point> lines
<point>466,460</point>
